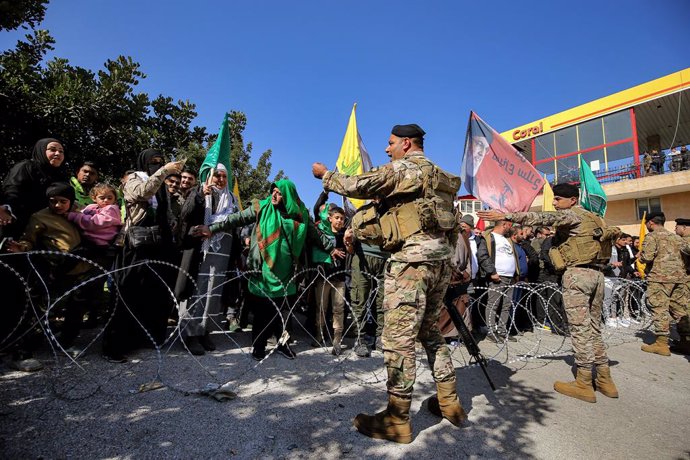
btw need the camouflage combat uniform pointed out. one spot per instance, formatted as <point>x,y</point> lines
<point>415,280</point>
<point>666,293</point>
<point>583,285</point>
<point>647,163</point>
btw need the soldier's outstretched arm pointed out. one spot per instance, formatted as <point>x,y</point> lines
<point>379,182</point>
<point>548,218</point>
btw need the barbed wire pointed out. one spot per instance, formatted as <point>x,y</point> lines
<point>70,374</point>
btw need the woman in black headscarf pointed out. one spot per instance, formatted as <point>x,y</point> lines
<point>24,187</point>
<point>24,193</point>
<point>141,290</point>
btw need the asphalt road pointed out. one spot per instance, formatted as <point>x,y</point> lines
<point>304,408</point>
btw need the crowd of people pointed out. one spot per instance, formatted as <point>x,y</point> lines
<point>171,254</point>
<point>165,275</point>
<point>672,160</point>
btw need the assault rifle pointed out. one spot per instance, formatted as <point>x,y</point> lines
<point>470,343</point>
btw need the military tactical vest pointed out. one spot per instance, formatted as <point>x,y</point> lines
<point>433,211</point>
<point>592,244</point>
<point>366,226</point>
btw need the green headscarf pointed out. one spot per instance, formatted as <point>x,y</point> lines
<point>281,238</point>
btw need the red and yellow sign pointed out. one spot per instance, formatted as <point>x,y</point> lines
<point>631,97</point>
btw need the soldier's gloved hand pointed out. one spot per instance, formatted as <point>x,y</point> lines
<point>319,170</point>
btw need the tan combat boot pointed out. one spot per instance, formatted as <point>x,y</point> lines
<point>337,339</point>
<point>392,424</point>
<point>447,404</point>
<point>682,346</point>
<point>580,388</point>
<point>660,347</point>
<point>604,382</point>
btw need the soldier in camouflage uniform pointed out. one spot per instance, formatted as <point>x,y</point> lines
<point>647,163</point>
<point>582,246</point>
<point>666,290</point>
<point>415,280</point>
<point>683,230</point>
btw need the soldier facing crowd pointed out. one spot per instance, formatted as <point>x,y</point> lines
<point>415,222</point>
<point>581,249</point>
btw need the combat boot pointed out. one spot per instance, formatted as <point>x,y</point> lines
<point>682,346</point>
<point>392,424</point>
<point>604,382</point>
<point>660,347</point>
<point>447,404</point>
<point>580,388</point>
<point>337,339</point>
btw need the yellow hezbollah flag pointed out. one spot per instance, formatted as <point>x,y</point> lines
<point>548,197</point>
<point>236,192</point>
<point>643,232</point>
<point>353,158</point>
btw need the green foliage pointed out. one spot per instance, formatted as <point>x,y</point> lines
<point>16,13</point>
<point>253,182</point>
<point>99,116</point>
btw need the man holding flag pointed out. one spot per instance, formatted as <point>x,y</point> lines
<point>201,313</point>
<point>581,249</point>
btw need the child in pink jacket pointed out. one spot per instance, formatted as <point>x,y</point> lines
<point>100,222</point>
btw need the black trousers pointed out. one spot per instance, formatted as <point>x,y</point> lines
<point>141,302</point>
<point>270,316</point>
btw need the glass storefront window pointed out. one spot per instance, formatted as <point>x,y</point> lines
<point>548,169</point>
<point>566,141</point>
<point>568,169</point>
<point>591,134</point>
<point>617,126</point>
<point>595,155</point>
<point>544,147</point>
<point>620,152</point>
<point>649,205</point>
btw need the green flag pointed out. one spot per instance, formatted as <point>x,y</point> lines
<point>218,153</point>
<point>592,196</point>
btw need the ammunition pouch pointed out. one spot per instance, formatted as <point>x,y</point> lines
<point>592,245</point>
<point>441,218</point>
<point>366,226</point>
<point>557,260</point>
<point>433,212</point>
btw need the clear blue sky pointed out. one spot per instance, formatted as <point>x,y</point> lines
<point>295,68</point>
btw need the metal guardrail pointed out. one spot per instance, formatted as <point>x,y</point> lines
<point>628,171</point>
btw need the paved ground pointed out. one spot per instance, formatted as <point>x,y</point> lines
<point>303,408</point>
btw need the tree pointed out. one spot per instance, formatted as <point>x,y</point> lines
<point>253,182</point>
<point>16,13</point>
<point>98,116</point>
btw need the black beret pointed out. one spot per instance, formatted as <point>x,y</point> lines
<point>408,131</point>
<point>652,215</point>
<point>681,221</point>
<point>566,190</point>
<point>62,189</point>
